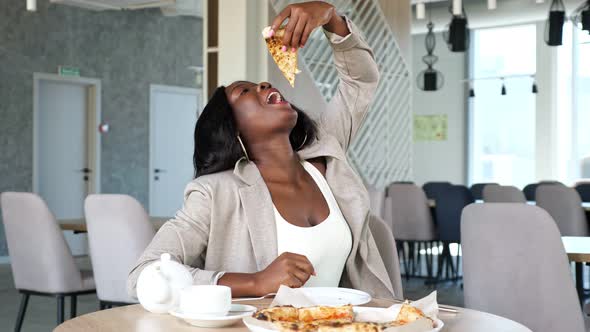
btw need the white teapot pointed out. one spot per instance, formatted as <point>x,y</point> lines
<point>160,283</point>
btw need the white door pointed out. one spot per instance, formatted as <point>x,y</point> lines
<point>66,149</point>
<point>61,147</point>
<point>173,114</point>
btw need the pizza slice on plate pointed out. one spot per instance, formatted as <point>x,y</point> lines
<point>328,327</point>
<point>278,314</point>
<point>409,314</point>
<point>319,314</point>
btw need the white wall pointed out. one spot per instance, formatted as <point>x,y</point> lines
<point>441,160</point>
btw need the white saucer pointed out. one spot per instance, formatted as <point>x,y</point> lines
<point>236,313</point>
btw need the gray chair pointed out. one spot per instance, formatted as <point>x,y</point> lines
<point>583,188</point>
<point>40,258</point>
<point>502,194</point>
<point>387,249</point>
<point>408,215</point>
<point>515,266</point>
<point>477,190</point>
<point>119,230</point>
<point>565,207</point>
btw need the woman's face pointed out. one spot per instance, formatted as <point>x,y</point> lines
<point>260,110</point>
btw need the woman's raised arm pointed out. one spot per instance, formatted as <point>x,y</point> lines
<point>358,72</point>
<point>358,79</point>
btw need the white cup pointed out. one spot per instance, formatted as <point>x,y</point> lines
<point>205,300</point>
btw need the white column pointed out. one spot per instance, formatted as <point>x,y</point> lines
<point>241,48</point>
<point>546,116</point>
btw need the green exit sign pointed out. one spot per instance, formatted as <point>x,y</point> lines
<point>68,71</point>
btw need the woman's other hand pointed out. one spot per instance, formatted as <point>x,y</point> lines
<point>304,18</point>
<point>288,269</point>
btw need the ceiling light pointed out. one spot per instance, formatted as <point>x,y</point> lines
<point>581,16</point>
<point>554,23</point>
<point>457,33</point>
<point>430,79</point>
<point>457,7</point>
<point>503,88</point>
<point>31,5</point>
<point>471,92</point>
<point>492,4</point>
<point>420,11</point>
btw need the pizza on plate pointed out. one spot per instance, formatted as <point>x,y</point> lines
<point>328,327</point>
<point>335,319</point>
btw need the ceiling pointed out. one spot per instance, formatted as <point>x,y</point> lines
<point>508,12</point>
<point>168,7</point>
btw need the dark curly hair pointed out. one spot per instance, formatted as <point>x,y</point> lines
<point>216,145</point>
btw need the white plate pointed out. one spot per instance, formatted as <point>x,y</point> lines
<point>438,324</point>
<point>335,296</point>
<point>256,325</point>
<point>237,312</point>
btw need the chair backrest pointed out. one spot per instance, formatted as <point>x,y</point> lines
<point>583,190</point>
<point>529,191</point>
<point>477,190</point>
<point>119,230</point>
<point>515,266</point>
<point>565,207</point>
<point>434,189</point>
<point>388,251</point>
<point>39,255</point>
<point>377,201</point>
<point>503,194</point>
<point>407,213</point>
<point>449,207</point>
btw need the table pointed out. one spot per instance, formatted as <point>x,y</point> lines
<point>79,225</point>
<point>135,318</point>
<point>578,251</point>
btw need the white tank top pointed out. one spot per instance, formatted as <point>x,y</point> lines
<point>326,245</point>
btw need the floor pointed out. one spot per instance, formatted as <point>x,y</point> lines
<point>41,311</point>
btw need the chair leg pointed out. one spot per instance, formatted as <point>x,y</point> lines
<point>102,305</point>
<point>458,262</point>
<point>451,265</point>
<point>428,258</point>
<point>60,309</point>
<point>419,260</point>
<point>405,257</point>
<point>441,261</point>
<point>21,311</point>
<point>73,305</point>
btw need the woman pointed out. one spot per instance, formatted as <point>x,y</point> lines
<point>275,201</point>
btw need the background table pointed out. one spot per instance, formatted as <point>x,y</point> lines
<point>79,225</point>
<point>135,318</point>
<point>578,251</point>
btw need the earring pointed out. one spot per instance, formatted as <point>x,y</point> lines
<point>304,140</point>
<point>243,147</point>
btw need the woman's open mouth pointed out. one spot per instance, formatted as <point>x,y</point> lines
<point>275,98</point>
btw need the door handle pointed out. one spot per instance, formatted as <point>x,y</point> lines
<point>85,170</point>
<point>158,170</point>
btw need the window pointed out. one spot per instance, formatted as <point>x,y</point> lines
<point>502,127</point>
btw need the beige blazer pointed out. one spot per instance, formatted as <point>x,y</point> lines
<point>227,222</point>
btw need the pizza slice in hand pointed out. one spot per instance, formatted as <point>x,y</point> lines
<point>285,60</point>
